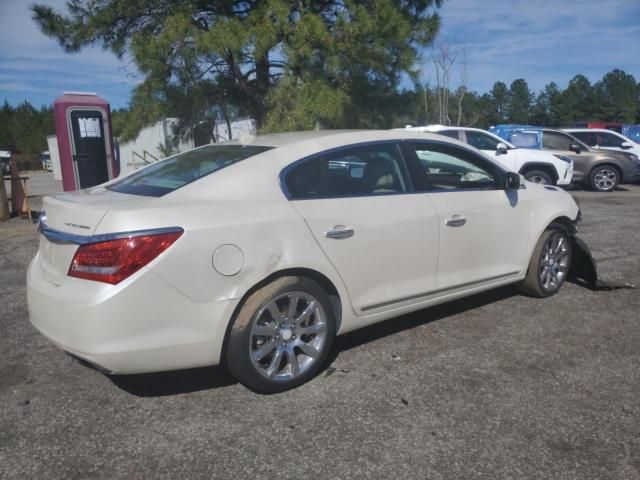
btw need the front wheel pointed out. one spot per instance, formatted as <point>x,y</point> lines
<point>549,264</point>
<point>281,336</point>
<point>538,176</point>
<point>604,178</point>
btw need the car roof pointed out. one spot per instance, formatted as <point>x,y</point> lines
<point>584,129</point>
<point>280,140</point>
<point>288,138</point>
<point>439,128</point>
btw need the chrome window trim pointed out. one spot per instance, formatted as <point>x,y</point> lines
<point>58,236</point>
<point>398,141</point>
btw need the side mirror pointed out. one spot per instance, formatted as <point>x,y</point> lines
<point>512,181</point>
<point>626,145</point>
<point>574,147</point>
<point>501,149</point>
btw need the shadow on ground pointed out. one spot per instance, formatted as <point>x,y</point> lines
<point>198,379</point>
<point>172,383</point>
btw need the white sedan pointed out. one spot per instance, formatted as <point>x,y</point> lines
<point>258,254</point>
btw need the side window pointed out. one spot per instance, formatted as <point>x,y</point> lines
<point>608,140</point>
<point>449,168</point>
<point>449,133</point>
<point>371,170</point>
<point>481,141</point>
<point>309,180</point>
<point>586,137</point>
<point>556,141</point>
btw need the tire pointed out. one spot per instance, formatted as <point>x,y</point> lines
<point>269,355</point>
<point>604,178</point>
<point>539,176</point>
<point>549,264</point>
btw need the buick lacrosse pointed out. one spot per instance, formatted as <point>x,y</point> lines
<point>256,254</point>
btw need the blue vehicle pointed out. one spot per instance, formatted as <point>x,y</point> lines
<point>522,136</point>
<point>632,132</point>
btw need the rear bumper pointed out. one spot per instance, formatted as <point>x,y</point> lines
<point>141,325</point>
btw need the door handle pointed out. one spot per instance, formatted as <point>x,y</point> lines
<point>339,232</point>
<point>455,221</point>
<point>80,156</point>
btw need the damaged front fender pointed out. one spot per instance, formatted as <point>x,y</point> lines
<point>584,270</point>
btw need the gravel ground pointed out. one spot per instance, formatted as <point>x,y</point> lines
<point>494,386</point>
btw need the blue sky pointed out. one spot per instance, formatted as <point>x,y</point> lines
<point>539,40</point>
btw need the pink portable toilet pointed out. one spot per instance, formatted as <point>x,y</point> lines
<point>85,143</point>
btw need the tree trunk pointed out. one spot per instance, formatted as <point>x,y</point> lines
<point>226,119</point>
<point>263,82</point>
<point>4,203</point>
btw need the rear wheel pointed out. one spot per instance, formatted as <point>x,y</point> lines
<point>604,178</point>
<point>539,176</point>
<point>282,335</point>
<point>549,264</point>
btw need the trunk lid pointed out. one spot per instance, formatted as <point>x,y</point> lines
<point>77,214</point>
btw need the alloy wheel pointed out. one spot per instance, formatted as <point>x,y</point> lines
<point>287,336</point>
<point>554,264</point>
<point>605,179</point>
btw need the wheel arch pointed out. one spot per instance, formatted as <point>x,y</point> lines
<point>322,280</point>
<point>568,225</point>
<point>606,163</point>
<point>545,167</point>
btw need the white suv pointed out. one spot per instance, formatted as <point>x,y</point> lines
<point>605,139</point>
<point>535,165</point>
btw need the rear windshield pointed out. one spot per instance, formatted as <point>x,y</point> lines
<point>175,172</point>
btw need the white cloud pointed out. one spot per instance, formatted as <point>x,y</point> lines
<point>34,62</point>
<point>543,40</point>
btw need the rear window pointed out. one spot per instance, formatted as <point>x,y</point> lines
<point>168,175</point>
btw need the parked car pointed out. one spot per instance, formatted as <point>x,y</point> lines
<point>632,132</point>
<point>605,139</point>
<point>536,166</point>
<point>5,162</point>
<point>599,169</point>
<point>258,254</point>
<point>614,126</point>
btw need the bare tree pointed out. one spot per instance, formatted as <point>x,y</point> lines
<point>425,92</point>
<point>462,89</point>
<point>443,59</point>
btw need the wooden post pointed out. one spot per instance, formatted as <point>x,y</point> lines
<point>26,204</point>
<point>4,203</point>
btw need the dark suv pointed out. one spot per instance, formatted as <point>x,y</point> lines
<point>601,170</point>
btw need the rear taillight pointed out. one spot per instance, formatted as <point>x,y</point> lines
<point>112,261</point>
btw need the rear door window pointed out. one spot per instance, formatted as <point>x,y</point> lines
<point>359,171</point>
<point>556,141</point>
<point>481,141</point>
<point>449,133</point>
<point>168,175</point>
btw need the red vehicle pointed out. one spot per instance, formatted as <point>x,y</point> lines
<point>615,126</point>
